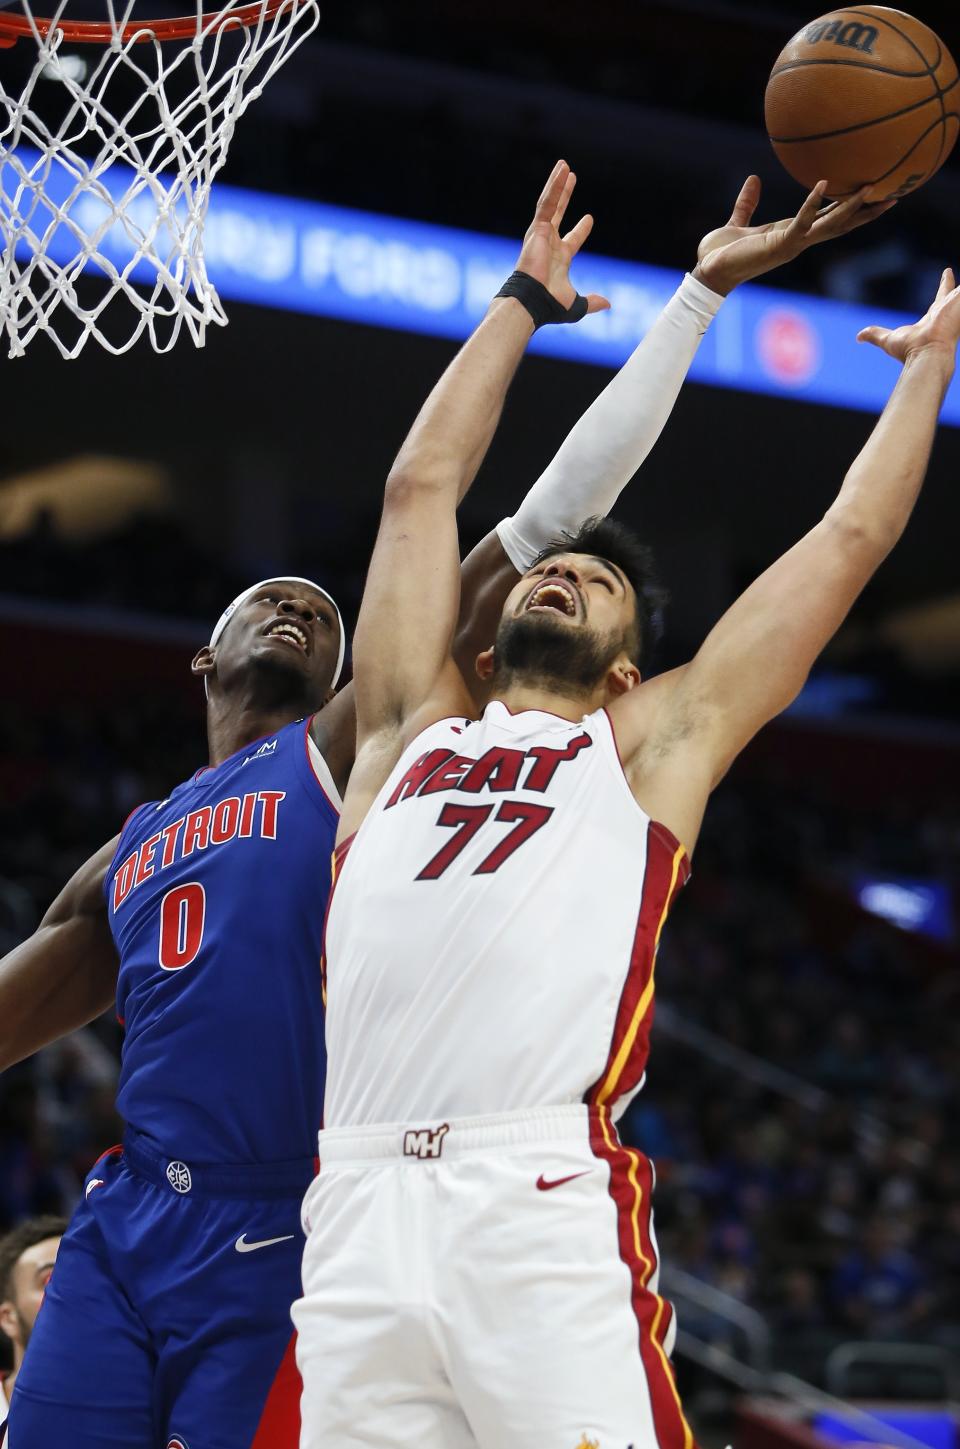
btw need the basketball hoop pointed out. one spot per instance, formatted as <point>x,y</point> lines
<point>105,174</point>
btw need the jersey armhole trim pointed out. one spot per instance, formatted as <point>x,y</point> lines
<point>115,860</point>
<point>133,812</point>
<point>321,770</point>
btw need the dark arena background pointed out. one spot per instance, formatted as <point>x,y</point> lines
<point>804,1088</point>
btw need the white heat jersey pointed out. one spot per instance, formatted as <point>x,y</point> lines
<point>493,927</point>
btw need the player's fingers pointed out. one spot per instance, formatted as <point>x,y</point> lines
<point>843,225</point>
<point>847,211</point>
<point>842,203</point>
<point>869,213</point>
<point>947,284</point>
<point>746,203</point>
<point>831,220</point>
<point>596,303</point>
<point>807,215</point>
<point>876,335</point>
<point>551,192</point>
<point>578,234</point>
<point>565,196</point>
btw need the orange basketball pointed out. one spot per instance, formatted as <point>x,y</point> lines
<point>864,95</point>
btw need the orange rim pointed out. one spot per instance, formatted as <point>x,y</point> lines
<point>101,32</point>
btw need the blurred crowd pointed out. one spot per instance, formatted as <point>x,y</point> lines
<point>118,570</point>
<point>828,1198</point>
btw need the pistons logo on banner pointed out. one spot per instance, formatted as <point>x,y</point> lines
<point>788,346</point>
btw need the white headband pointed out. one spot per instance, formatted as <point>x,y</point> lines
<point>231,609</point>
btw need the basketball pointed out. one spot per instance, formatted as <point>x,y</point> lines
<point>864,96</point>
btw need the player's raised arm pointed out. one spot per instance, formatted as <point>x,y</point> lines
<point>401,652</point>
<point>614,436</point>
<point>756,659</point>
<point>65,974</point>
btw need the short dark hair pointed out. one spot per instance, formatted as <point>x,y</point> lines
<point>25,1235</point>
<point>607,539</point>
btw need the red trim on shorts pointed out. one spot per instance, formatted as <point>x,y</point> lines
<point>110,1152</point>
<point>279,1426</point>
<point>656,899</point>
<point>631,1182</point>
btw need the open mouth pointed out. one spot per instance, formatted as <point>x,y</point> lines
<point>291,634</point>
<point>556,595</point>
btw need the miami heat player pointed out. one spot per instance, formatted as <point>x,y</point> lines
<point>481,1267</point>
<point>167,1321</point>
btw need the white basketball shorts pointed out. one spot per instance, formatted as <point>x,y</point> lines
<point>487,1281</point>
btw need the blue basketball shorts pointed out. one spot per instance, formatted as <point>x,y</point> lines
<point>166,1323</point>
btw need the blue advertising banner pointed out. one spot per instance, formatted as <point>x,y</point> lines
<point>305,256</point>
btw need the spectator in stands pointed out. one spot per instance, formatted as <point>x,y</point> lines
<point>27,1256</point>
<point>879,1289</point>
<point>796,1308</point>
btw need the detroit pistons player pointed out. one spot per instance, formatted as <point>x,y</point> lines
<point>481,1267</point>
<point>167,1322</point>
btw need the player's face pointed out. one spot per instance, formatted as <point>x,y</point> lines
<point>569,616</point>
<point>30,1277</point>
<point>290,636</point>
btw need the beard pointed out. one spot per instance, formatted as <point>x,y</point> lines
<point>277,683</point>
<point>536,650</point>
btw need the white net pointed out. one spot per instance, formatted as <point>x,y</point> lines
<point>107,155</point>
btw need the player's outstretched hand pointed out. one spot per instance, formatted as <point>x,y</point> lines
<point>546,255</point>
<point>939,329</point>
<point>738,252</point>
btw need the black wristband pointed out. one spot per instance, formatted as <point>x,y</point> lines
<point>541,304</point>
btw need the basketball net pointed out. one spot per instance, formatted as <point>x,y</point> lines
<point>105,173</point>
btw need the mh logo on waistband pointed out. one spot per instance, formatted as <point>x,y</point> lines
<point>425,1141</point>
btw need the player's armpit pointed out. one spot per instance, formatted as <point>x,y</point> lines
<point>65,974</point>
<point>679,734</point>
<point>658,729</point>
<point>756,660</point>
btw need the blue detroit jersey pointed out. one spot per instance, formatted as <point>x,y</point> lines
<point>216,898</point>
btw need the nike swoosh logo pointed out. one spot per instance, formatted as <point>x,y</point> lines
<point>545,1186</point>
<point>242,1246</point>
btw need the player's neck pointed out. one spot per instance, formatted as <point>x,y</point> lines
<point>11,1379</point>
<point>518,696</point>
<point>230,729</point>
